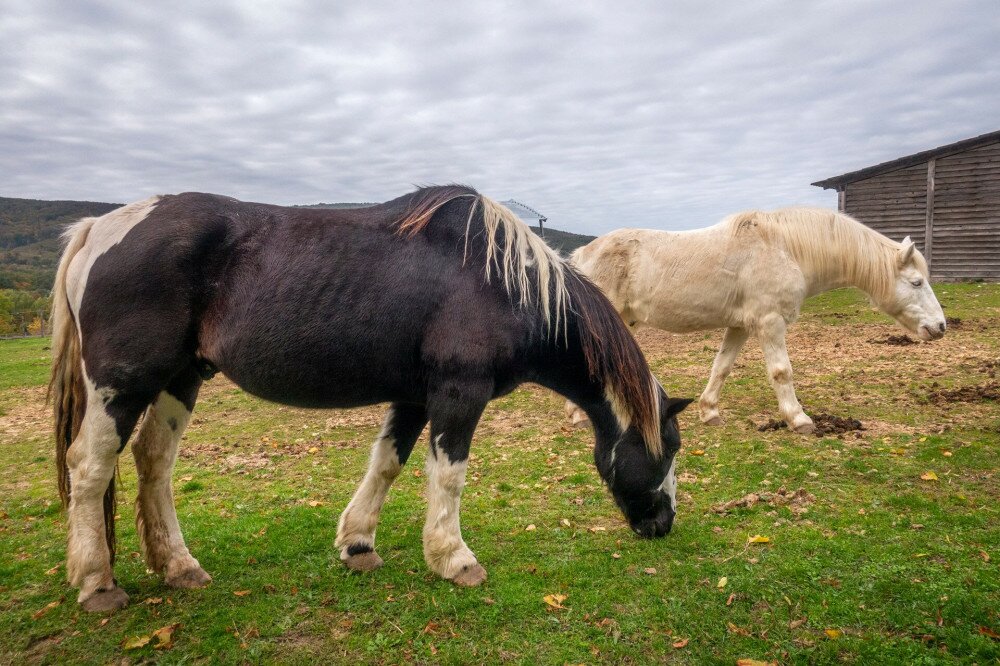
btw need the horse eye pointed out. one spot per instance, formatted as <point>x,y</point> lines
<point>917,283</point>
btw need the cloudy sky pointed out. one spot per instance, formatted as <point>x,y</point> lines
<point>659,114</point>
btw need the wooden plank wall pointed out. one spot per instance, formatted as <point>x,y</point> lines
<point>966,242</point>
<point>894,203</point>
<point>965,216</point>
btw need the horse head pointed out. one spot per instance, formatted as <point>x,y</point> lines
<point>912,302</point>
<point>644,485</point>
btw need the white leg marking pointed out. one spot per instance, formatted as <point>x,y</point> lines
<point>155,452</point>
<point>708,405</point>
<point>444,550</point>
<point>360,518</point>
<point>91,459</point>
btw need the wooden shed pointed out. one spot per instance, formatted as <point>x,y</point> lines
<point>946,199</point>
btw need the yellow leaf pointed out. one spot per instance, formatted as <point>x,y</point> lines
<point>946,454</point>
<point>681,643</point>
<point>530,528</point>
<point>49,606</point>
<point>833,633</point>
<point>241,593</point>
<point>722,583</point>
<point>564,522</point>
<point>313,449</point>
<point>923,439</point>
<point>929,476</point>
<point>554,600</point>
<point>697,452</point>
<point>135,642</point>
<point>898,452</point>
<point>314,503</point>
<point>759,539</point>
<point>153,601</point>
<point>165,637</point>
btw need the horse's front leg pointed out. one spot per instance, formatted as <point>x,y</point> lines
<point>771,333</point>
<point>356,529</point>
<point>708,404</point>
<point>454,410</point>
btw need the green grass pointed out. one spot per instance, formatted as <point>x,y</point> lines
<point>893,562</point>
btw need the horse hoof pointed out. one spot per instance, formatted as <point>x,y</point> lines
<point>714,421</point>
<point>582,424</point>
<point>369,561</point>
<point>470,576</point>
<point>105,600</point>
<point>189,580</point>
<point>805,428</point>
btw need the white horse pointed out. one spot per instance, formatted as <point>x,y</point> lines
<point>750,274</point>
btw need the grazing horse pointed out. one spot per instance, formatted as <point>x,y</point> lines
<point>436,302</point>
<point>750,274</point>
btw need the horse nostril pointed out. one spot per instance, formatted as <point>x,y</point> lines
<point>941,327</point>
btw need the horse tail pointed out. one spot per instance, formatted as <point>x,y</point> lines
<point>66,387</point>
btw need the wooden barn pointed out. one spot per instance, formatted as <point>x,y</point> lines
<point>946,199</point>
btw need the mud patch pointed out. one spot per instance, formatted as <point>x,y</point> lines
<point>953,322</point>
<point>990,368</point>
<point>895,340</point>
<point>826,425</point>
<point>797,501</point>
<point>980,393</point>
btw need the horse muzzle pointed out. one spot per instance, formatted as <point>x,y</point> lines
<point>658,526</point>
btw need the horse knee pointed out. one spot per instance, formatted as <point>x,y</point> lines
<point>781,373</point>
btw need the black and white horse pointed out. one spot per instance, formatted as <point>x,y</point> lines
<point>436,302</point>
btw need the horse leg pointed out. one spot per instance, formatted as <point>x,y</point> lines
<point>356,530</point>
<point>107,423</point>
<point>708,404</point>
<point>577,416</point>
<point>155,451</point>
<point>454,412</point>
<point>779,371</point>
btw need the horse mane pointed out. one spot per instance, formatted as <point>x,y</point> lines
<point>825,242</point>
<point>612,355</point>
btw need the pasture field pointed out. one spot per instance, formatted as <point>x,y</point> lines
<point>877,546</point>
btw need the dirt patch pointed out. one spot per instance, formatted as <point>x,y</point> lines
<point>895,340</point>
<point>826,425</point>
<point>990,368</point>
<point>796,500</point>
<point>980,393</point>
<point>953,322</point>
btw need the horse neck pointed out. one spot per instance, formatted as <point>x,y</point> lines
<point>840,253</point>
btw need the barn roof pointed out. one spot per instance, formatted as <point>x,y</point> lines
<point>909,160</point>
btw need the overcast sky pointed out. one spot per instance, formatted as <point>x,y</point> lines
<point>658,114</point>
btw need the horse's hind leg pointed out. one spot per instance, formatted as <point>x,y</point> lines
<point>771,334</point>
<point>155,451</point>
<point>107,423</point>
<point>708,404</point>
<point>356,529</point>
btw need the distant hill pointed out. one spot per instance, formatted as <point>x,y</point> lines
<point>30,228</point>
<point>29,238</point>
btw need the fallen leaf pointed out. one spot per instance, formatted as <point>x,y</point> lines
<point>554,600</point>
<point>929,476</point>
<point>135,642</point>
<point>530,528</point>
<point>49,606</point>
<point>241,593</point>
<point>104,621</point>
<point>153,601</point>
<point>564,522</point>
<point>795,624</point>
<point>53,570</point>
<point>597,529</point>
<point>650,570</point>
<point>187,478</point>
<point>722,583</point>
<point>165,637</point>
<point>986,631</point>
<point>697,452</point>
<point>315,503</point>
<point>418,472</point>
<point>898,452</point>
<point>739,631</point>
<point>681,643</point>
<point>756,538</point>
<point>946,454</point>
<point>313,449</point>
<point>431,628</point>
<point>833,633</point>
<point>729,601</point>
<point>616,556</point>
<point>986,556</point>
<point>755,662</point>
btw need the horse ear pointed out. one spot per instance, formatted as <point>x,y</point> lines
<point>906,252</point>
<point>674,406</point>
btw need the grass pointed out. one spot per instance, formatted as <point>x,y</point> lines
<point>903,568</point>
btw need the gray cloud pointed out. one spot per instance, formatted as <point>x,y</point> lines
<point>649,114</point>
